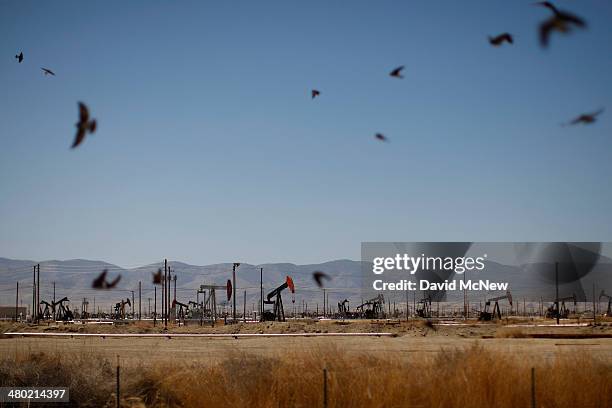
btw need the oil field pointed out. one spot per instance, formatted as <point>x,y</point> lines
<point>167,344</point>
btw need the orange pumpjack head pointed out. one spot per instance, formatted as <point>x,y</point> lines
<point>229,290</point>
<point>290,284</point>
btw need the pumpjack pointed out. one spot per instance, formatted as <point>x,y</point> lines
<point>563,312</point>
<point>344,309</point>
<point>195,309</point>
<point>373,308</point>
<point>182,311</point>
<point>120,308</point>
<point>49,311</point>
<point>423,308</point>
<point>63,312</point>
<point>485,315</point>
<point>209,304</point>
<point>603,295</point>
<point>275,298</point>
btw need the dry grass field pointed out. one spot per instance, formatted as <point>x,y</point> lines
<point>444,366</point>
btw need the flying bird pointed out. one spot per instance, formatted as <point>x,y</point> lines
<point>47,71</point>
<point>157,277</point>
<point>499,39</point>
<point>397,72</point>
<point>318,276</point>
<point>315,93</point>
<point>101,283</point>
<point>587,118</point>
<point>381,137</point>
<point>560,21</point>
<point>19,57</point>
<point>84,125</point>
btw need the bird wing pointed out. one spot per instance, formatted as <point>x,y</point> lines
<point>599,112</point>
<point>508,37</point>
<point>573,18</point>
<point>80,135</point>
<point>577,120</point>
<point>99,281</point>
<point>545,29</point>
<point>83,113</point>
<point>549,5</point>
<point>114,282</point>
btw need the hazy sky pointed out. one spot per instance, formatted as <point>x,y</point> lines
<point>209,148</point>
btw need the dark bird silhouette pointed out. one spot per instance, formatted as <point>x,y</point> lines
<point>397,72</point>
<point>84,125</point>
<point>157,277</point>
<point>381,137</point>
<point>318,276</point>
<point>101,283</point>
<point>499,40</point>
<point>19,57</point>
<point>587,118</point>
<point>48,71</point>
<point>315,93</point>
<point>561,21</point>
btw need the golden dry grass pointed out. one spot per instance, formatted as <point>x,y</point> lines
<point>469,378</point>
<point>510,332</point>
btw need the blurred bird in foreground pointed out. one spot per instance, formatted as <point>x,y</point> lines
<point>19,57</point>
<point>586,118</point>
<point>157,277</point>
<point>84,125</point>
<point>47,71</point>
<point>381,137</point>
<point>560,21</point>
<point>500,39</point>
<point>315,93</point>
<point>318,276</point>
<point>101,283</point>
<point>397,72</point>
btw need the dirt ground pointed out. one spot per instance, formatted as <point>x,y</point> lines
<point>419,337</point>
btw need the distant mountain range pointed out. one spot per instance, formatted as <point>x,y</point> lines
<point>73,279</point>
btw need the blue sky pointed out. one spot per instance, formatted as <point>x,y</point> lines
<point>209,148</point>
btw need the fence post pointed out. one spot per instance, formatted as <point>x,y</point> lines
<point>533,396</point>
<point>324,387</point>
<point>118,384</point>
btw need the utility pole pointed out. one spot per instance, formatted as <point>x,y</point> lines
<point>168,288</point>
<point>164,311</point>
<point>557,289</point>
<point>53,300</point>
<point>154,305</point>
<point>17,301</point>
<point>174,302</point>
<point>465,305</point>
<point>236,264</point>
<point>34,295</point>
<point>139,299</point>
<point>594,313</point>
<point>261,299</point>
<point>132,307</point>
<point>324,304</point>
<point>174,286</point>
<point>37,294</point>
<point>244,311</point>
